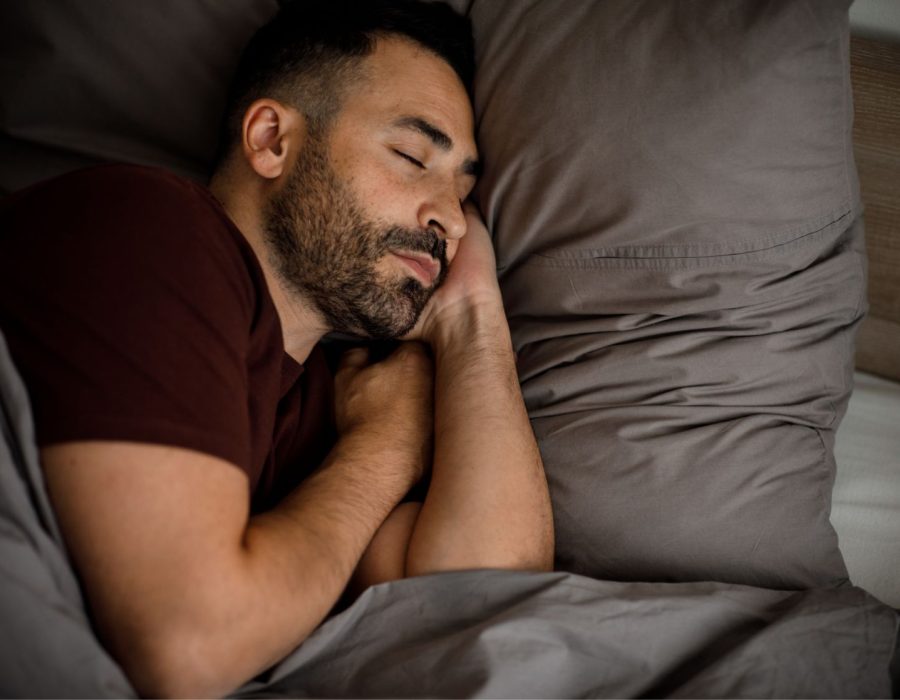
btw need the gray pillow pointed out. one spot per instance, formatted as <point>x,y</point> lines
<point>675,208</point>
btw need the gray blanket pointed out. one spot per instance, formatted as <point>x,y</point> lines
<point>476,633</point>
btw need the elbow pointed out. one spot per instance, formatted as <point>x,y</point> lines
<point>538,558</point>
<point>542,561</point>
<point>538,553</point>
<point>526,545</point>
<point>433,565</point>
<point>174,665</point>
<point>535,556</point>
<point>545,552</point>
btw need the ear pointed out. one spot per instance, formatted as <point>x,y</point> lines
<point>270,132</point>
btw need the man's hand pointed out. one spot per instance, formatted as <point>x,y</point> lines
<point>471,281</point>
<point>389,405</point>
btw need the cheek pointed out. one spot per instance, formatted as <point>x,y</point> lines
<point>382,193</point>
<point>375,187</point>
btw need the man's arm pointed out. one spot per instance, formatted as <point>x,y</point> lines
<point>192,595</point>
<point>488,504</point>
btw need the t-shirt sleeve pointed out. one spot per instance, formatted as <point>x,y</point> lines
<point>127,306</point>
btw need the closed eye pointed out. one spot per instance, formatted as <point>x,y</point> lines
<point>409,158</point>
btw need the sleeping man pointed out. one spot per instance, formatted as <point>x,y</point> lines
<point>217,489</point>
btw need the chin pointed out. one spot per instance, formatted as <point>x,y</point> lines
<point>394,330</point>
<point>388,314</point>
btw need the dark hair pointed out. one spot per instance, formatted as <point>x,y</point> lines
<point>306,55</point>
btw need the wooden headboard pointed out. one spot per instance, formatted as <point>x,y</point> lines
<point>875,71</point>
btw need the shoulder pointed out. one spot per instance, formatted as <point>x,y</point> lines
<point>133,306</point>
<point>102,187</point>
<point>116,198</point>
<point>132,225</point>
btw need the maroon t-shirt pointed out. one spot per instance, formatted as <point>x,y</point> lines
<point>135,310</point>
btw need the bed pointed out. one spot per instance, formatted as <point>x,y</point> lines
<point>677,210</point>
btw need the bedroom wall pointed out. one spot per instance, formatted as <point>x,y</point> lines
<point>876,19</point>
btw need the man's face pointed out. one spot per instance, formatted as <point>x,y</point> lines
<point>367,222</point>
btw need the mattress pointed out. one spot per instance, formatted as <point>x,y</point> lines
<point>866,501</point>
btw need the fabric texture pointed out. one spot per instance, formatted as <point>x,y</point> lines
<point>505,634</point>
<point>47,646</point>
<point>675,207</point>
<point>135,310</point>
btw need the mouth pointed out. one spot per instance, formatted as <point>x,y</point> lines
<point>425,268</point>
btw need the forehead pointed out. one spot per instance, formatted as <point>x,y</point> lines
<point>403,79</point>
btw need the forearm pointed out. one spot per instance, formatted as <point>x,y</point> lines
<point>488,504</point>
<point>316,536</point>
<point>265,594</point>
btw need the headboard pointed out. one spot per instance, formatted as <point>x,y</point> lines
<point>875,70</point>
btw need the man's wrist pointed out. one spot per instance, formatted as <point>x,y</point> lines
<point>384,464</point>
<point>469,326</point>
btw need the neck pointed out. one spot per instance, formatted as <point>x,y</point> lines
<point>301,326</point>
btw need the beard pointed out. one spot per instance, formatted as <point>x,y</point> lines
<point>326,250</point>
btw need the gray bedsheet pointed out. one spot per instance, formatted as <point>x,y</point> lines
<point>513,635</point>
<point>477,633</point>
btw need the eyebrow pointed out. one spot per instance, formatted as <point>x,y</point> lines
<point>469,167</point>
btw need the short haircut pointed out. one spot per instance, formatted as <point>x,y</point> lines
<point>307,54</point>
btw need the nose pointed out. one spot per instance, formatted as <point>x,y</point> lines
<point>443,212</point>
